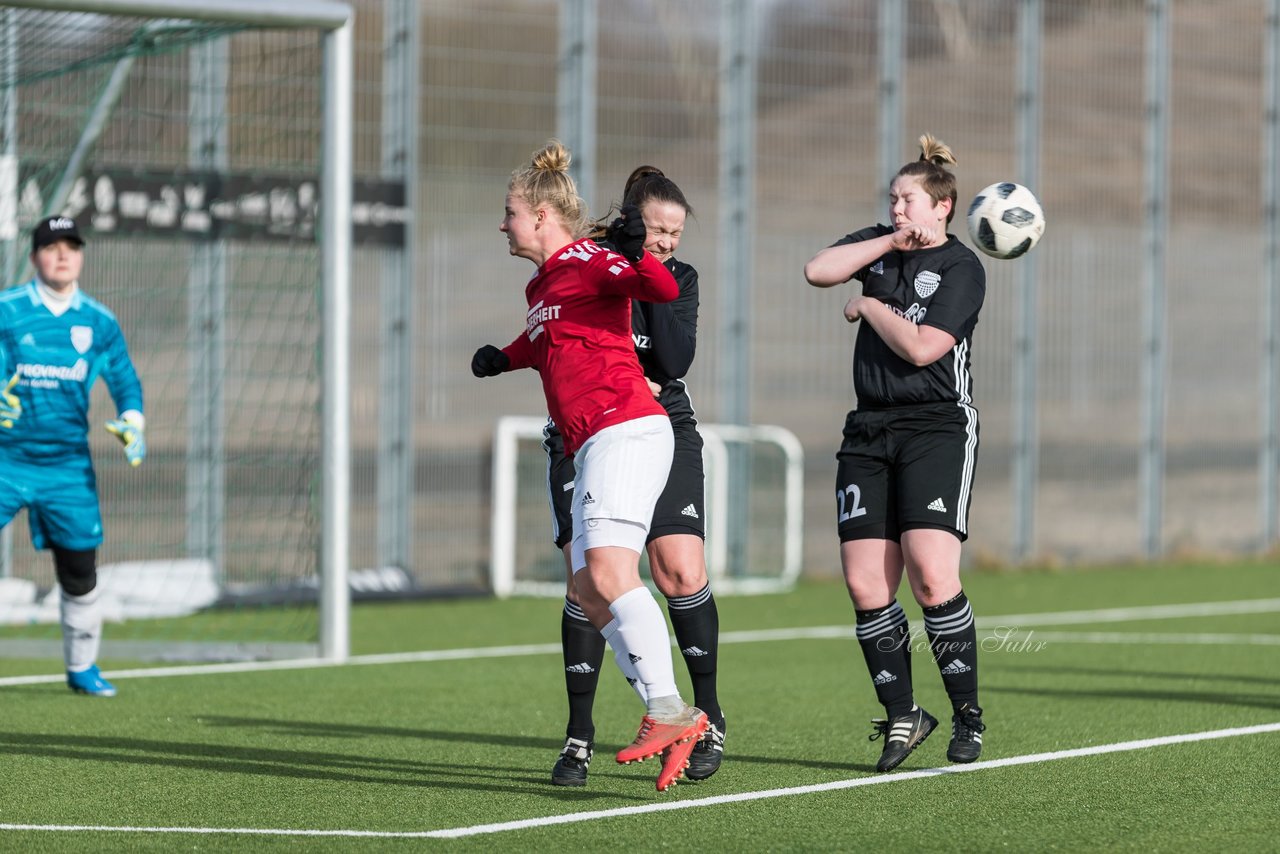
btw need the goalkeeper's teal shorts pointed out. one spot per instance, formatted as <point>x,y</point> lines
<point>61,501</point>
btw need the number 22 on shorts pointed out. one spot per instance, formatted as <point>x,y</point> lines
<point>850,508</point>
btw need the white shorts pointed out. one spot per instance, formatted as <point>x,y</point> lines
<point>619,474</point>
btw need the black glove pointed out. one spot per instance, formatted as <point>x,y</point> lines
<point>628,232</point>
<point>489,361</point>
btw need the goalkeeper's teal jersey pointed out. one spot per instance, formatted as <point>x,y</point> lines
<point>59,358</point>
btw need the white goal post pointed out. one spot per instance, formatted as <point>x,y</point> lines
<point>517,438</point>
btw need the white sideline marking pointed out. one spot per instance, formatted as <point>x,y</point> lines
<point>1146,612</point>
<point>1142,612</point>
<point>1157,638</point>
<point>306,663</point>
<point>593,815</point>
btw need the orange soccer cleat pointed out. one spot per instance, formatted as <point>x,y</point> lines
<point>657,735</point>
<point>676,758</point>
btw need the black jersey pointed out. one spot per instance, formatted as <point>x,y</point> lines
<point>942,286</point>
<point>665,335</point>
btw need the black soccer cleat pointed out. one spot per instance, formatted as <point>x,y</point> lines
<point>707,753</point>
<point>902,735</point>
<point>966,734</point>
<point>571,768</point>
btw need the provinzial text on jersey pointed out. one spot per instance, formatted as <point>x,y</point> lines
<point>76,373</point>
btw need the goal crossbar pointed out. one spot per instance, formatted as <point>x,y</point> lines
<point>309,14</point>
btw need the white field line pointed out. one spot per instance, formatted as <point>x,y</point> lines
<point>997,627</point>
<point>619,812</point>
<point>307,663</point>
<point>1142,612</point>
<point>1155,638</point>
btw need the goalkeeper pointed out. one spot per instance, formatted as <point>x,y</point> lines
<point>55,341</point>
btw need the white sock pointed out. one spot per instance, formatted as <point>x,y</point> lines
<point>81,630</point>
<point>640,637</point>
<point>665,708</point>
<point>623,658</point>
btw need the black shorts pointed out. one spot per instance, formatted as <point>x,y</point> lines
<point>905,468</point>
<point>679,509</point>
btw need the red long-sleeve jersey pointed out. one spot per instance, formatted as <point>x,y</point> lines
<point>578,337</point>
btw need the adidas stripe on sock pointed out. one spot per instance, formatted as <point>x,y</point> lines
<point>885,639</point>
<point>953,638</point>
<point>696,623</point>
<point>583,648</point>
<point>81,618</point>
<point>638,635</point>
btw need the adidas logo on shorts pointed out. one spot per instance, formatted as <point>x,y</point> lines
<point>690,511</point>
<point>937,504</point>
<point>587,499</point>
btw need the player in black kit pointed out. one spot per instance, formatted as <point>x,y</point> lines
<point>665,335</point>
<point>905,467</point>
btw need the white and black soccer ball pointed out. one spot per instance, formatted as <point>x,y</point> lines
<point>1005,220</point>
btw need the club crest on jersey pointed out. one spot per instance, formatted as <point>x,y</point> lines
<point>926,283</point>
<point>82,338</point>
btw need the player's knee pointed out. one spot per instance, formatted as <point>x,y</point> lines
<point>77,570</point>
<point>676,580</point>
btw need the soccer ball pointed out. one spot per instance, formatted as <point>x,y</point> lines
<point>1005,220</point>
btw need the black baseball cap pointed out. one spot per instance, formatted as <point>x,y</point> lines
<point>54,228</point>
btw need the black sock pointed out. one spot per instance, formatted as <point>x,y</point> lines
<point>697,626</point>
<point>954,641</point>
<point>583,654</point>
<point>886,645</point>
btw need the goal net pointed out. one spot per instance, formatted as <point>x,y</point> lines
<point>754,508</point>
<point>191,155</point>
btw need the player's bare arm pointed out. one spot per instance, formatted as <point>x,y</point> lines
<point>918,344</point>
<point>914,235</point>
<point>836,265</point>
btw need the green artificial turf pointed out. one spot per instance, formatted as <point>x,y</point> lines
<point>431,745</point>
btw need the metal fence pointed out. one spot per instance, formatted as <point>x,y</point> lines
<point>1124,369</point>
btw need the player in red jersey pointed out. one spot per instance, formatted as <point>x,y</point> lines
<point>665,336</point>
<point>578,337</point>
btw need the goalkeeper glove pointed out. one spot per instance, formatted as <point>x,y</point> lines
<point>489,361</point>
<point>628,233</point>
<point>128,429</point>
<point>10,406</point>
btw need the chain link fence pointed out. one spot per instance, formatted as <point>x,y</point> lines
<point>489,96</point>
